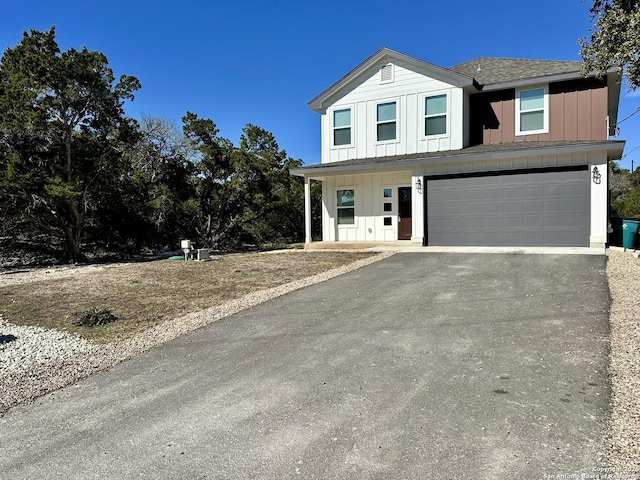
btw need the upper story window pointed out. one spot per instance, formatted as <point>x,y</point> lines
<point>342,127</point>
<point>386,121</point>
<point>532,111</point>
<point>435,115</point>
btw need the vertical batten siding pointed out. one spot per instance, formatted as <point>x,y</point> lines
<point>577,111</point>
<point>568,121</point>
<point>408,89</point>
<point>369,223</point>
<point>411,126</point>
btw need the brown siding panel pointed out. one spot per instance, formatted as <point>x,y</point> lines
<point>598,114</point>
<point>584,114</point>
<point>585,107</point>
<point>577,111</point>
<point>508,119</point>
<point>571,115</point>
<point>557,117</point>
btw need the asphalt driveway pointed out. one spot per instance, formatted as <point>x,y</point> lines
<point>483,366</point>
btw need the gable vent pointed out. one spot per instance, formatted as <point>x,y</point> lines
<point>386,73</point>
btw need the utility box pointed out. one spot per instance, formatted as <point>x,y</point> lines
<point>203,254</point>
<point>185,244</point>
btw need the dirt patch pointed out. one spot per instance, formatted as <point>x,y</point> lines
<point>143,295</point>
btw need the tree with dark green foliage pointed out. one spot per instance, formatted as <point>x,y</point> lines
<point>246,193</point>
<point>631,206</point>
<point>75,168</point>
<point>624,192</point>
<point>619,188</point>
<point>63,131</point>
<point>615,39</point>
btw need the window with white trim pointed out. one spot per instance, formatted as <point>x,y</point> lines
<point>346,211</point>
<point>386,121</point>
<point>435,115</point>
<point>532,111</point>
<point>342,127</point>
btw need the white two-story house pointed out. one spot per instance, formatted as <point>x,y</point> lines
<point>492,152</point>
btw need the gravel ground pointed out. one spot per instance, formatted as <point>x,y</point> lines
<point>623,271</point>
<point>34,361</point>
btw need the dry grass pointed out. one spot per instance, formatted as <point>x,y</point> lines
<point>142,295</point>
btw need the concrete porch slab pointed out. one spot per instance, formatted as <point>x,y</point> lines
<point>409,247</point>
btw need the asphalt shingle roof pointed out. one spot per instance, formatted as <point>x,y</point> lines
<point>488,70</point>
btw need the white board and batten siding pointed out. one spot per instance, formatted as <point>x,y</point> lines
<point>369,206</point>
<point>454,166</point>
<point>408,89</point>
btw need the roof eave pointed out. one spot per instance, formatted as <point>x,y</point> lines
<point>614,150</point>
<point>613,98</point>
<point>556,77</point>
<point>559,77</point>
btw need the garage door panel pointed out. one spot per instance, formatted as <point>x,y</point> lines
<point>513,222</point>
<point>541,208</point>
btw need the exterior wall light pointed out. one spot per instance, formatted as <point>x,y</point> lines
<point>419,185</point>
<point>597,178</point>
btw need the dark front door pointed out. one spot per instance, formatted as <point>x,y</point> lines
<point>404,213</point>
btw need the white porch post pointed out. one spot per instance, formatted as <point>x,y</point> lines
<point>307,210</point>
<point>417,237</point>
<point>599,205</point>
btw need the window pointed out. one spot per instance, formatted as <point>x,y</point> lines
<point>435,115</point>
<point>346,207</point>
<point>531,111</point>
<point>387,206</point>
<point>342,127</point>
<point>387,192</point>
<point>386,121</point>
<point>387,221</point>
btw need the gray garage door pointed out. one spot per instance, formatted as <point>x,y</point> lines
<point>546,208</point>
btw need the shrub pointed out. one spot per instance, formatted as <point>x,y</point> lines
<point>631,206</point>
<point>94,317</point>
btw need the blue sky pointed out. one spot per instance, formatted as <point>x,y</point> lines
<point>260,62</point>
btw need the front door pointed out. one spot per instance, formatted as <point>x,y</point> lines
<point>404,213</point>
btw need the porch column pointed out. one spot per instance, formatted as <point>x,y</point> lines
<point>417,192</point>
<point>599,206</point>
<point>307,210</point>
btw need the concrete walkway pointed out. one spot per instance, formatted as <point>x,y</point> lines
<point>407,247</point>
<point>447,366</point>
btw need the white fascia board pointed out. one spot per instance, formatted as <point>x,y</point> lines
<point>335,168</point>
<point>384,55</point>
<point>613,97</point>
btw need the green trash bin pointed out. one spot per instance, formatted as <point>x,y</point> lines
<point>629,230</point>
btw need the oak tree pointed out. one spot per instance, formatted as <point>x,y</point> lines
<point>615,39</point>
<point>62,127</point>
